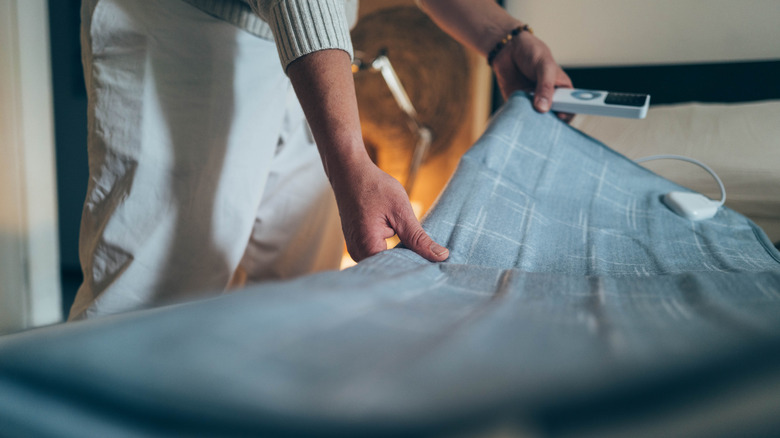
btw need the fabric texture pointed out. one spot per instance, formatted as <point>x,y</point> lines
<point>299,27</point>
<point>738,141</point>
<point>573,301</point>
<point>201,162</point>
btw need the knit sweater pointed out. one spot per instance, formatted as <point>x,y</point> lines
<point>298,27</point>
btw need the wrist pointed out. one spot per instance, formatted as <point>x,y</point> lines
<point>495,31</point>
<point>508,39</point>
<point>345,161</point>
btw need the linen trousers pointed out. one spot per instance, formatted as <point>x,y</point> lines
<point>203,173</point>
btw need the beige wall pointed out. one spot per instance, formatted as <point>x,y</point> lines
<point>625,32</point>
<point>29,268</point>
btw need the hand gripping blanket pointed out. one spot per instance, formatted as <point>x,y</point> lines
<point>573,301</point>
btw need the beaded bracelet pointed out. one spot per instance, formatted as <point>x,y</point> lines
<point>500,45</point>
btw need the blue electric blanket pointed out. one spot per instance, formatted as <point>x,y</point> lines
<point>573,301</point>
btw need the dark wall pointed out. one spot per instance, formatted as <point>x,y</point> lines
<point>70,130</point>
<point>712,82</point>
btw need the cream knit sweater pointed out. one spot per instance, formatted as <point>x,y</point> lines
<point>298,27</point>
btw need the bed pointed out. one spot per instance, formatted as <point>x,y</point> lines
<point>722,114</point>
<point>574,303</point>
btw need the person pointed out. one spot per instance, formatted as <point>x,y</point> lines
<point>212,164</point>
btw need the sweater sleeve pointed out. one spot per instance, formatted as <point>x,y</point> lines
<point>301,27</point>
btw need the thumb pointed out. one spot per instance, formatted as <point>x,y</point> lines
<point>414,237</point>
<point>545,86</point>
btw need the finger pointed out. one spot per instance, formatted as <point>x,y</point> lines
<point>512,81</point>
<point>363,244</point>
<point>563,81</point>
<point>566,117</point>
<point>508,73</point>
<point>546,75</point>
<point>414,237</point>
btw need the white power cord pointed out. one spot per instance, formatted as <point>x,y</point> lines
<point>694,206</point>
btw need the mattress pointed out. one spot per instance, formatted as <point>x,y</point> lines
<point>741,142</point>
<point>573,303</point>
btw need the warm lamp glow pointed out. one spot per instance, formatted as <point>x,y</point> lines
<point>418,209</point>
<point>346,261</point>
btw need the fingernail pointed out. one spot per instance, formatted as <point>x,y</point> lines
<point>543,104</point>
<point>439,250</point>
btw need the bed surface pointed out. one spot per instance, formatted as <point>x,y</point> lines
<point>741,142</point>
<point>573,302</point>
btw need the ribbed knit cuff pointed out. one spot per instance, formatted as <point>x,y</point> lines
<point>301,27</point>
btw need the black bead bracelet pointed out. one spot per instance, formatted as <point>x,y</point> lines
<point>500,45</point>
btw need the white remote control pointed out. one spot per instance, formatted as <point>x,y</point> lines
<point>600,103</point>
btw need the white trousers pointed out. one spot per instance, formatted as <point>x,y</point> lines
<point>203,173</point>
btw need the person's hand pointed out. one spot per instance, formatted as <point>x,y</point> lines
<point>372,204</point>
<point>373,207</point>
<point>526,63</point>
